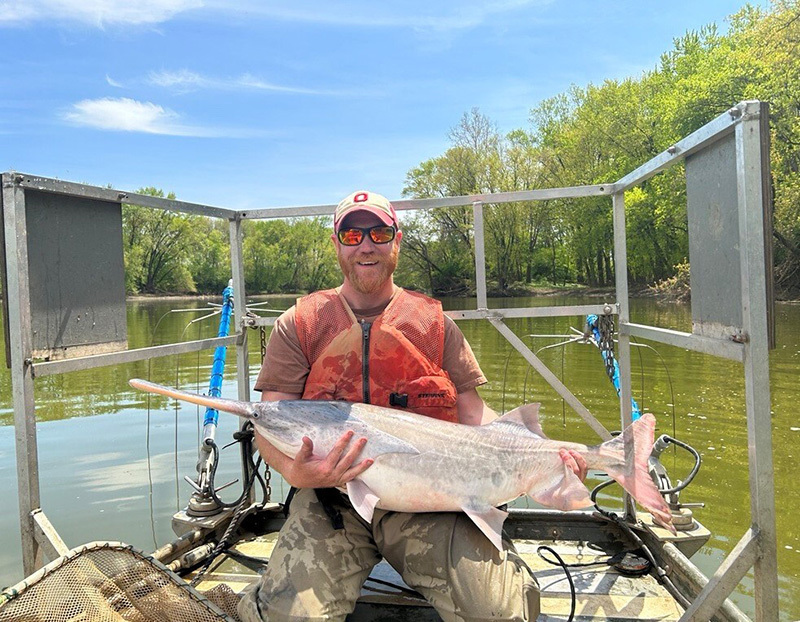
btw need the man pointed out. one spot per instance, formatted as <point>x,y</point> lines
<point>371,341</point>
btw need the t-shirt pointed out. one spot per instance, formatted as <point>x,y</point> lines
<point>286,368</point>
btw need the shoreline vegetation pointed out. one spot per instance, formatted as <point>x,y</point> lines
<point>661,292</point>
<point>587,135</point>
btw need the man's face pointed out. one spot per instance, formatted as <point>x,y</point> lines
<point>367,266</point>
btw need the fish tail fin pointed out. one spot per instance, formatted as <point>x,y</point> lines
<point>635,478</point>
<point>243,409</point>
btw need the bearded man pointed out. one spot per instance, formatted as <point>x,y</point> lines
<point>373,342</point>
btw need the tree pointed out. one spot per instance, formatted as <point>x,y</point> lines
<point>209,260</point>
<point>157,245</point>
<point>290,255</point>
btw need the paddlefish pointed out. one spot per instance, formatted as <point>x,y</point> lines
<point>427,465</point>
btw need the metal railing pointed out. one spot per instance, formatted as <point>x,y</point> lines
<point>757,547</point>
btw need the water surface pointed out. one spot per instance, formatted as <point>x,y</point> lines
<point>111,468</point>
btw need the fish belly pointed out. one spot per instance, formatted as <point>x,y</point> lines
<point>430,482</point>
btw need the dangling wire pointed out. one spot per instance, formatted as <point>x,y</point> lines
<point>197,389</point>
<point>641,378</point>
<point>147,438</point>
<point>150,474</point>
<point>563,401</point>
<point>505,378</point>
<point>175,422</point>
<point>241,505</point>
<point>669,379</point>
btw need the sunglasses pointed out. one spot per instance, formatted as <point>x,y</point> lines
<point>353,236</point>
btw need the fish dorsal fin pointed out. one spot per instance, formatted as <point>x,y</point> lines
<point>527,416</point>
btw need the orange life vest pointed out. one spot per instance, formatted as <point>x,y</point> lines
<point>395,362</point>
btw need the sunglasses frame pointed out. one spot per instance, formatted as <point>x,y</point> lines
<point>366,231</point>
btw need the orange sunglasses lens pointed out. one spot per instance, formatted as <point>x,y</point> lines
<point>353,236</point>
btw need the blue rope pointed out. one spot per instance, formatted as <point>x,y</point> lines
<point>592,322</point>
<point>215,382</point>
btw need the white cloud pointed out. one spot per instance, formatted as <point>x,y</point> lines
<point>114,83</point>
<point>95,12</point>
<point>184,80</point>
<point>128,115</point>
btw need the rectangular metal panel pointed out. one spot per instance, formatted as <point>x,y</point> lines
<point>77,276</point>
<point>714,253</point>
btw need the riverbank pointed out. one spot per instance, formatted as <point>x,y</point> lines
<point>517,292</point>
<point>637,291</point>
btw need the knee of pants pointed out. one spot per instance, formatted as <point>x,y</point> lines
<point>452,563</point>
<point>315,571</point>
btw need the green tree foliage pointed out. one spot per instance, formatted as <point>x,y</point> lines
<point>172,252</point>
<point>210,257</point>
<point>157,247</point>
<point>439,242</point>
<point>588,135</point>
<point>290,256</point>
<point>595,135</point>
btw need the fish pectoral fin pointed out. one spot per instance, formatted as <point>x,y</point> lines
<point>490,521</point>
<point>362,498</point>
<point>568,493</point>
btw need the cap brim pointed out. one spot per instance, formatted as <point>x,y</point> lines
<point>385,218</point>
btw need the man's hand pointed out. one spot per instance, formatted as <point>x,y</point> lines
<point>306,470</point>
<point>575,462</point>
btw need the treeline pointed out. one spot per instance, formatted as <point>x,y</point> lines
<point>170,252</point>
<point>587,135</point>
<point>598,133</point>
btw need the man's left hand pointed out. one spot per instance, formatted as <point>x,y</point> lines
<point>575,462</point>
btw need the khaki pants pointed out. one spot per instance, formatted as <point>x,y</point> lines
<point>316,572</point>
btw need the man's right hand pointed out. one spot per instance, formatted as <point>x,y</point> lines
<point>306,470</point>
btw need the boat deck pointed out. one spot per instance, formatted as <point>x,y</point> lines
<point>602,592</point>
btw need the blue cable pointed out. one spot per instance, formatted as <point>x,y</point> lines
<point>592,322</point>
<point>215,382</point>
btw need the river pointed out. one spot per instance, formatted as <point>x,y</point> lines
<point>111,468</point>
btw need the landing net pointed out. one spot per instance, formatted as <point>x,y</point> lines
<point>106,581</point>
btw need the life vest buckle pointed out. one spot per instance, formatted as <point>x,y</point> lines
<point>398,399</point>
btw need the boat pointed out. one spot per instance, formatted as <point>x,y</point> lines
<point>591,565</point>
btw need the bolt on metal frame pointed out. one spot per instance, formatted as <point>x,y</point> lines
<point>757,547</point>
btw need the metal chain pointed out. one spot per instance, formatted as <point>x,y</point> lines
<point>605,324</point>
<point>267,470</point>
<point>263,337</point>
<point>268,482</point>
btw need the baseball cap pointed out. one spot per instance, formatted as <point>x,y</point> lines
<point>362,200</point>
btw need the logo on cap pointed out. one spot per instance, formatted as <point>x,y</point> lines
<point>368,201</point>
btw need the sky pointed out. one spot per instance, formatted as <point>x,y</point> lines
<point>263,103</point>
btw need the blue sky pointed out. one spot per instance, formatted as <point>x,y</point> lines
<point>247,103</point>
